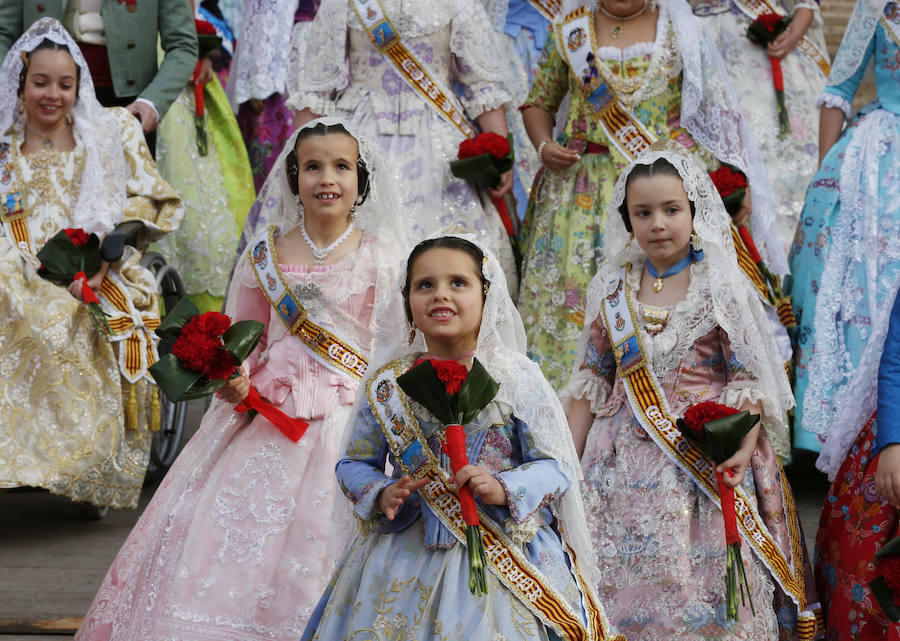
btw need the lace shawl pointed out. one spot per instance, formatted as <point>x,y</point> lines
<point>860,30</point>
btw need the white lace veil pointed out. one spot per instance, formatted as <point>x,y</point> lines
<point>711,115</point>
<point>859,282</point>
<point>101,196</point>
<point>277,205</point>
<point>501,349</point>
<point>859,31</point>
<point>726,294</point>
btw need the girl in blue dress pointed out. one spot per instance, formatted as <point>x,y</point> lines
<point>407,575</point>
<point>846,255</point>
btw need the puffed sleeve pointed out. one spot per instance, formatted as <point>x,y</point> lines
<point>360,473</point>
<point>841,95</point>
<point>596,374</point>
<point>536,483</point>
<point>551,82</point>
<point>479,60</point>
<point>741,385</point>
<point>888,421</point>
<point>149,198</point>
<point>247,302</point>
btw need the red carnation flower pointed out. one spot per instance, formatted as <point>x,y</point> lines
<point>199,345</point>
<point>769,21</point>
<point>698,415</point>
<point>451,373</point>
<point>486,143</point>
<point>204,28</point>
<point>78,236</point>
<point>727,181</point>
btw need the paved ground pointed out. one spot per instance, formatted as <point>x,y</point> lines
<point>53,559</point>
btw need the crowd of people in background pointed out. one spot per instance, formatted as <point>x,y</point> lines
<point>686,216</point>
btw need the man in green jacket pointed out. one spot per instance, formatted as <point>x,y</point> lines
<point>118,39</point>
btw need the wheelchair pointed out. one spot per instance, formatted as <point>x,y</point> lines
<point>167,439</point>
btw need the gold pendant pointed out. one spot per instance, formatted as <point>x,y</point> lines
<point>616,31</point>
<point>658,285</point>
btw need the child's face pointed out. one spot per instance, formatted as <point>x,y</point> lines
<point>326,176</point>
<point>660,215</point>
<point>446,300</point>
<point>50,88</point>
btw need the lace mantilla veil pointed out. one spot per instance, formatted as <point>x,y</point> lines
<point>101,195</point>
<point>726,296</point>
<point>277,205</point>
<point>859,31</point>
<point>501,349</point>
<point>713,118</point>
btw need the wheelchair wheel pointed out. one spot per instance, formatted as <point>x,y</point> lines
<point>167,439</point>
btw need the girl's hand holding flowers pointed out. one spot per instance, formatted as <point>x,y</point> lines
<point>482,483</point>
<point>505,186</point>
<point>394,495</point>
<point>734,469</point>
<point>236,389</point>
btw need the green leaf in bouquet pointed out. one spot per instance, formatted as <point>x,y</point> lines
<point>479,170</point>
<point>207,43</point>
<point>891,549</point>
<point>173,378</point>
<point>171,325</point>
<point>476,392</point>
<point>241,338</point>
<point>885,598</point>
<point>61,259</point>
<point>722,437</point>
<point>422,384</point>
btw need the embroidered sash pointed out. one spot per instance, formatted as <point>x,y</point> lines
<point>330,350</point>
<point>652,411</point>
<point>575,35</point>
<point>387,40</point>
<point>12,215</point>
<point>505,559</point>
<point>781,302</point>
<point>549,8</point>
<point>890,21</point>
<point>755,8</point>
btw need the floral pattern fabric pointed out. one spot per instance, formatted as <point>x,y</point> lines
<point>855,523</point>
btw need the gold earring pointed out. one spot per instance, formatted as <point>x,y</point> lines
<point>70,118</point>
<point>412,334</point>
<point>695,241</point>
<point>20,107</point>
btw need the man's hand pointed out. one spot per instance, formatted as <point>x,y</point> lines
<point>146,113</point>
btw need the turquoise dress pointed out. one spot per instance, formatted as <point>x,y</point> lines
<point>861,291</point>
<point>408,578</point>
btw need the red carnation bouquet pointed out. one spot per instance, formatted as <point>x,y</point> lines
<point>71,255</point>
<point>208,41</point>
<point>202,352</point>
<point>718,430</point>
<point>482,160</point>
<point>886,587</point>
<point>455,396</point>
<point>731,183</point>
<point>763,31</point>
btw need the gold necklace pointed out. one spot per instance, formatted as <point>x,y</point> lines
<point>619,29</point>
<point>48,138</point>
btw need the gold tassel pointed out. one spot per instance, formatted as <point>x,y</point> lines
<point>154,408</point>
<point>131,407</point>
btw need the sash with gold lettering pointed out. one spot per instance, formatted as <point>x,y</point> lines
<point>401,429</point>
<point>548,8</point>
<point>575,35</point>
<point>387,40</point>
<point>773,295</point>
<point>133,327</point>
<point>755,8</point>
<point>335,353</point>
<point>652,411</point>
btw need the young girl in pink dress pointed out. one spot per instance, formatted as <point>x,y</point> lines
<point>672,322</point>
<point>243,534</point>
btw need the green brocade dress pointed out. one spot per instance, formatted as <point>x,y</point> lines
<point>562,235</point>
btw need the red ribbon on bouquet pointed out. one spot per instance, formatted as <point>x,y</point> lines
<point>293,428</point>
<point>87,294</point>
<point>455,447</point>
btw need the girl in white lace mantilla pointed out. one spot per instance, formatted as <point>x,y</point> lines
<point>659,539</point>
<point>241,539</point>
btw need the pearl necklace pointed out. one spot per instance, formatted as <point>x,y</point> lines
<point>617,30</point>
<point>322,254</point>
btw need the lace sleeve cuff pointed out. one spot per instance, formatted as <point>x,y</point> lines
<point>366,507</point>
<point>807,4</point>
<point>482,99</point>
<point>584,384</point>
<point>832,100</point>
<point>738,393</point>
<point>318,103</point>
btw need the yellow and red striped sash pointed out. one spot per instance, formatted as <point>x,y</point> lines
<point>12,215</point>
<point>652,412</point>
<point>404,436</point>
<point>781,302</point>
<point>387,41</point>
<point>755,8</point>
<point>575,38</point>
<point>549,8</point>
<point>332,351</point>
<point>134,328</point>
